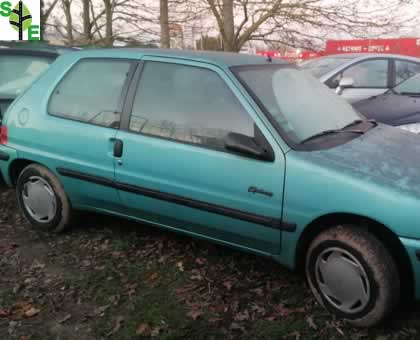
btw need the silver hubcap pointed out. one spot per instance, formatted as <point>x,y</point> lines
<point>342,280</point>
<point>39,199</point>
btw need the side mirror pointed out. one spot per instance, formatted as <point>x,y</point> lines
<point>247,146</point>
<point>344,83</point>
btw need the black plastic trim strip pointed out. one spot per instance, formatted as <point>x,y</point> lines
<point>4,156</point>
<point>188,202</point>
<point>418,255</point>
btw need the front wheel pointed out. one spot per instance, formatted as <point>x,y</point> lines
<point>42,199</point>
<point>352,274</point>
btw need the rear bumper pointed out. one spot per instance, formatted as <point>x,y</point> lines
<point>7,156</point>
<point>412,247</point>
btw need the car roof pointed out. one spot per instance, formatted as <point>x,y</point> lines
<point>225,59</point>
<point>353,58</point>
<point>370,56</point>
<point>29,52</point>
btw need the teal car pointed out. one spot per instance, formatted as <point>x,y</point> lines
<point>241,150</point>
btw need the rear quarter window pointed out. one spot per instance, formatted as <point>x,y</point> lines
<point>19,71</point>
<point>91,92</point>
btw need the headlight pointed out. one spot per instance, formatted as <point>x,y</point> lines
<point>415,128</point>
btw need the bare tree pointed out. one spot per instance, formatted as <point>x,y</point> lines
<point>300,21</point>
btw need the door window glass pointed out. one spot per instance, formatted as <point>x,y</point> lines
<point>188,104</point>
<point>405,70</point>
<point>367,74</point>
<point>91,92</point>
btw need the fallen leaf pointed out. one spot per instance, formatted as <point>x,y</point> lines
<point>118,323</point>
<point>311,322</point>
<point>67,317</point>
<point>194,314</point>
<point>295,335</point>
<point>242,316</point>
<point>236,326</point>
<point>101,310</point>
<point>155,331</point>
<point>4,313</point>
<point>153,277</point>
<point>31,312</point>
<point>200,261</point>
<point>180,266</point>
<point>338,329</point>
<point>143,329</point>
<point>228,285</point>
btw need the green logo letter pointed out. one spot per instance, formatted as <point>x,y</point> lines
<point>5,8</point>
<point>33,32</point>
<point>20,19</point>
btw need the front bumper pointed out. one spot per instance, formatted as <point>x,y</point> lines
<point>7,156</point>
<point>412,247</point>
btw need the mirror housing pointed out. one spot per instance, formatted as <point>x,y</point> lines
<point>246,146</point>
<point>344,83</point>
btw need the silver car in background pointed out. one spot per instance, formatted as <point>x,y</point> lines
<point>361,75</point>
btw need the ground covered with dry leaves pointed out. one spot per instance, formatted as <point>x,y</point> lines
<point>113,279</point>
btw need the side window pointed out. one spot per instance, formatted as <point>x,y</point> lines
<point>188,104</point>
<point>371,73</point>
<point>91,92</point>
<point>19,71</point>
<point>405,70</point>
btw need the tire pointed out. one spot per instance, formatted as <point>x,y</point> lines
<point>353,275</point>
<point>42,199</point>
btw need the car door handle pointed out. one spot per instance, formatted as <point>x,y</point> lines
<point>118,148</point>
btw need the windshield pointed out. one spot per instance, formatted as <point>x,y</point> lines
<point>410,86</point>
<point>320,66</point>
<point>18,72</point>
<point>300,105</point>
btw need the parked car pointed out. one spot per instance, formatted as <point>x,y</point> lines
<point>18,69</point>
<point>217,146</point>
<point>400,106</point>
<point>359,76</point>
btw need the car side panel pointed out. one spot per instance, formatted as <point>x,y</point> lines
<point>61,143</point>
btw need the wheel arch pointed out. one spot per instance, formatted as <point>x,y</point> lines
<point>379,230</point>
<point>17,166</point>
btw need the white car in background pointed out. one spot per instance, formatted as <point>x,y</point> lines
<point>361,75</point>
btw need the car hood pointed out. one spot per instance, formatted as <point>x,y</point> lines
<point>391,109</point>
<point>385,156</point>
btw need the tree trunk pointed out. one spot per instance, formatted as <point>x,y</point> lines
<point>109,40</point>
<point>165,41</point>
<point>229,41</point>
<point>87,27</point>
<point>69,21</point>
<point>45,13</point>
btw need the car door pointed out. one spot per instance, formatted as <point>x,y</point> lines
<point>370,78</point>
<point>174,169</point>
<point>84,113</point>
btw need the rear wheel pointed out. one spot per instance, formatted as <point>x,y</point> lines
<point>42,199</point>
<point>352,274</point>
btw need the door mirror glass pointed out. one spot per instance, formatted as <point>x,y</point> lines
<point>246,145</point>
<point>344,83</point>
